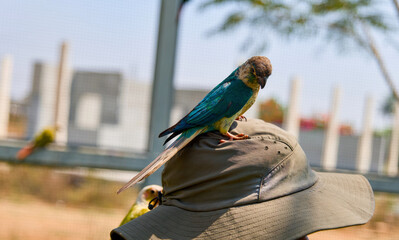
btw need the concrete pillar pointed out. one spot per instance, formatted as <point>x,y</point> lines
<point>365,147</point>
<point>394,145</point>
<point>331,139</point>
<point>292,118</point>
<point>62,97</point>
<point>381,157</point>
<point>5,86</point>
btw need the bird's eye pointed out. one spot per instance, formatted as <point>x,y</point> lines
<point>152,191</point>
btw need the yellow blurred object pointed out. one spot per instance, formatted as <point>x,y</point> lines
<point>140,207</point>
<point>44,138</point>
<point>41,140</point>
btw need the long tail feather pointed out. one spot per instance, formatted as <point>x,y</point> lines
<point>165,156</point>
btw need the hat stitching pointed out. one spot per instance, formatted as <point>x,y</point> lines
<point>273,137</point>
<point>316,186</point>
<point>214,135</point>
<point>274,170</point>
<point>252,223</point>
<point>360,178</point>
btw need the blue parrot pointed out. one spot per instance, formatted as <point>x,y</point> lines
<point>229,100</point>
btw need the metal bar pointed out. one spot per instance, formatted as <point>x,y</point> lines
<point>64,157</point>
<point>162,88</point>
<point>383,183</point>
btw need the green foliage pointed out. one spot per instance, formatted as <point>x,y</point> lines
<point>339,5</point>
<point>388,105</point>
<point>271,111</point>
<point>383,133</point>
<point>342,20</point>
<point>233,19</point>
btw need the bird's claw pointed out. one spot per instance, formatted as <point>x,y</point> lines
<point>241,117</point>
<point>232,137</point>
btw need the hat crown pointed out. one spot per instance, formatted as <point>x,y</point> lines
<point>207,175</point>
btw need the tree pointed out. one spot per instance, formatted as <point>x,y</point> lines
<point>351,22</point>
<point>271,111</point>
<point>387,107</point>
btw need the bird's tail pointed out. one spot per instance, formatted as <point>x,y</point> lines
<point>165,156</point>
<point>25,152</point>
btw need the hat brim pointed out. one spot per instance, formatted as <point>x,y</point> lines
<point>334,201</point>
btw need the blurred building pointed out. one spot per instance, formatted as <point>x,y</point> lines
<point>105,111</point>
<point>94,106</point>
<point>42,98</point>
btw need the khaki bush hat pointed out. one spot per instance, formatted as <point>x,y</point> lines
<point>259,188</point>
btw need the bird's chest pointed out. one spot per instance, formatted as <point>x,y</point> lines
<point>249,103</point>
<point>223,125</point>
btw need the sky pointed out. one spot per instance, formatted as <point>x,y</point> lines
<point>121,36</point>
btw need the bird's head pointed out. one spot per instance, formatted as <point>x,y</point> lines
<point>255,71</point>
<point>148,193</point>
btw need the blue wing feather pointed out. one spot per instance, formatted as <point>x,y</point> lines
<point>225,100</point>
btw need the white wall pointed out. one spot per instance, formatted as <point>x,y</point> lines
<point>134,116</point>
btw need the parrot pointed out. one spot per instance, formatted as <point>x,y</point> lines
<point>229,100</point>
<point>140,207</point>
<point>41,140</point>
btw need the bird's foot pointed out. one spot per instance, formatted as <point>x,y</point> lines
<point>232,137</point>
<point>241,117</point>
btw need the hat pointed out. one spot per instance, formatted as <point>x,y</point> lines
<point>258,188</point>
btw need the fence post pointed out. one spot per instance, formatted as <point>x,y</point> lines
<point>162,87</point>
<point>62,97</point>
<point>364,149</point>
<point>5,85</point>
<point>291,119</point>
<point>331,139</point>
<point>381,157</point>
<point>394,145</point>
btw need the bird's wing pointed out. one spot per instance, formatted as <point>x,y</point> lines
<point>135,211</point>
<point>44,137</point>
<point>225,100</point>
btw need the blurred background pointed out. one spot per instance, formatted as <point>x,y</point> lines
<point>86,87</point>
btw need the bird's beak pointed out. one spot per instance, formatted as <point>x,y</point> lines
<point>262,81</point>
